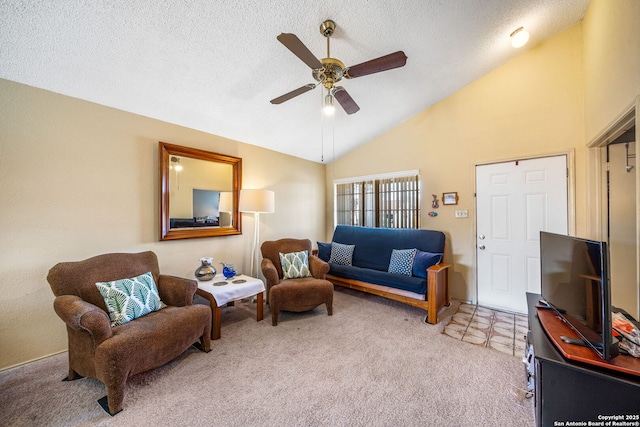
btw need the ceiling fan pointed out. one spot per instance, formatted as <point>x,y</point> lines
<point>328,71</point>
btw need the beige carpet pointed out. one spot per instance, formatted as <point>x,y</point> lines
<point>373,363</point>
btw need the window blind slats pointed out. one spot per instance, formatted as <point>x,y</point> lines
<point>389,202</point>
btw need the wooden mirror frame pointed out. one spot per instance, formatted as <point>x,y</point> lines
<point>166,233</point>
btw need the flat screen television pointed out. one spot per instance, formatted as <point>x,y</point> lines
<point>575,284</point>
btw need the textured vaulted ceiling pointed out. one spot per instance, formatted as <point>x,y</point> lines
<point>214,65</point>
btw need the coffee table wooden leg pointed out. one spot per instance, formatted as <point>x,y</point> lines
<point>215,320</point>
<point>260,314</point>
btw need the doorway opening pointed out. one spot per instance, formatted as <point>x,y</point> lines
<point>616,216</point>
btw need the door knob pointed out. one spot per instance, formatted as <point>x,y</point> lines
<point>481,247</point>
<point>481,237</point>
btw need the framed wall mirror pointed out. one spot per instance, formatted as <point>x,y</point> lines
<point>199,193</point>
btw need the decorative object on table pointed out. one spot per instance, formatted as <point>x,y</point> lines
<point>239,281</point>
<point>450,198</point>
<point>256,202</point>
<point>228,270</point>
<point>221,283</point>
<point>435,204</point>
<point>206,271</point>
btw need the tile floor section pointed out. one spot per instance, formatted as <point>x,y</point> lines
<point>494,329</point>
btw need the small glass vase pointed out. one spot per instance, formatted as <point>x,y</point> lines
<point>228,270</point>
<point>206,271</point>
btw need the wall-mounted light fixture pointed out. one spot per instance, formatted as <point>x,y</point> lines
<point>519,37</point>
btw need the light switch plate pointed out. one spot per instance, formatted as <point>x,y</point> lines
<point>462,213</point>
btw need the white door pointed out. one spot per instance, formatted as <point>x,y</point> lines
<point>622,227</point>
<point>515,201</point>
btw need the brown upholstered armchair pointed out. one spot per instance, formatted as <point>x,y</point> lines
<point>113,354</point>
<point>300,294</point>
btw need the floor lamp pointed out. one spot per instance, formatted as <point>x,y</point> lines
<point>256,202</point>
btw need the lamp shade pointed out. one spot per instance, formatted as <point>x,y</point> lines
<point>226,201</point>
<point>260,201</point>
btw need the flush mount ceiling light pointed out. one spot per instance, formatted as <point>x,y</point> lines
<point>519,37</point>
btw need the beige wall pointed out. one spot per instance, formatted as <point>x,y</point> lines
<point>78,179</point>
<point>611,61</point>
<point>529,107</point>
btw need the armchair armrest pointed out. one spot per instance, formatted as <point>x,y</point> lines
<point>80,315</point>
<point>270,272</point>
<point>176,291</point>
<point>318,267</point>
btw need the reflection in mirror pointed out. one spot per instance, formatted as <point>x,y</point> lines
<point>199,193</point>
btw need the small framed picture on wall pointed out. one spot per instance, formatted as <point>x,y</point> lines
<point>450,198</point>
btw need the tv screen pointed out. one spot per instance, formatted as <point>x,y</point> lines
<point>575,283</point>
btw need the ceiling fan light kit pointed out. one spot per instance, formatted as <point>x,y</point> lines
<point>328,108</point>
<point>328,71</point>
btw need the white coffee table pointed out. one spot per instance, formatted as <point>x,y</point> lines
<point>219,291</point>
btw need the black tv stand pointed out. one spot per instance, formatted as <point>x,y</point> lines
<point>568,391</point>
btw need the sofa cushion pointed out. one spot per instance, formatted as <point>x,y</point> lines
<point>295,265</point>
<point>128,299</point>
<point>402,261</point>
<point>341,254</point>
<point>424,260</point>
<point>398,281</point>
<point>324,251</point>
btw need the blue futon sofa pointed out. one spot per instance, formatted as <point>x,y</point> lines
<point>363,258</point>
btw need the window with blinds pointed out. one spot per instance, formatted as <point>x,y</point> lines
<point>391,202</point>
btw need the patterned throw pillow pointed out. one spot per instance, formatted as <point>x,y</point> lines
<point>341,254</point>
<point>295,264</point>
<point>424,260</point>
<point>128,299</point>
<point>402,261</point>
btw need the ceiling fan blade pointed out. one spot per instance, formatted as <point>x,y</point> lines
<point>384,63</point>
<point>293,94</point>
<point>346,101</point>
<point>293,43</point>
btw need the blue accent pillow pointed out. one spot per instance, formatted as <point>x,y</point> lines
<point>402,261</point>
<point>341,254</point>
<point>424,260</point>
<point>324,251</point>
